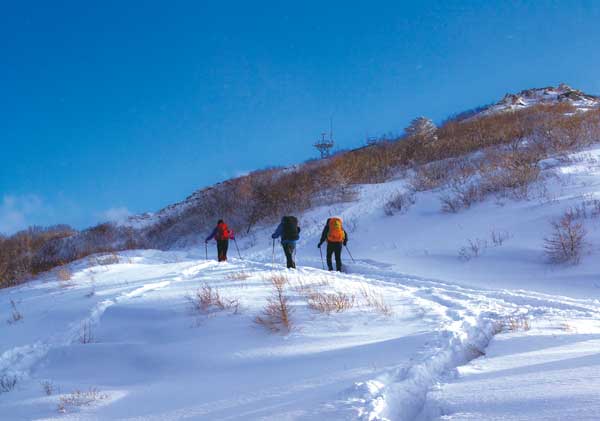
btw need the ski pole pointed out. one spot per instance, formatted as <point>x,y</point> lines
<point>206,249</point>
<point>348,250</point>
<point>238,249</point>
<point>273,252</point>
<point>322,262</point>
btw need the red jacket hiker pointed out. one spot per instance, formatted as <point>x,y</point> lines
<point>222,234</point>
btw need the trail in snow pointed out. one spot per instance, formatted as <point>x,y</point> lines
<point>17,361</point>
<point>346,366</point>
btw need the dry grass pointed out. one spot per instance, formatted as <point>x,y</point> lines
<point>86,334</point>
<point>499,237</point>
<point>64,274</point>
<point>306,289</point>
<point>48,387</point>
<point>330,303</point>
<point>276,316</point>
<point>376,301</point>
<point>516,324</point>
<point>79,398</point>
<point>104,260</point>
<point>208,300</point>
<point>7,383</point>
<point>237,276</point>
<point>15,314</point>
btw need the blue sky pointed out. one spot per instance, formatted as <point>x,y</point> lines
<point>118,107</point>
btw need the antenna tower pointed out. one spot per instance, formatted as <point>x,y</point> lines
<point>325,145</point>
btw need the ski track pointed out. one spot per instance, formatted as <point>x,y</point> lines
<point>468,321</point>
<point>19,360</point>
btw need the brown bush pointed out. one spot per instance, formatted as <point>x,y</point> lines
<point>276,315</point>
<point>208,299</point>
<point>330,302</point>
<point>376,301</point>
<point>64,274</point>
<point>462,194</point>
<point>567,240</point>
<point>79,398</point>
<point>399,202</point>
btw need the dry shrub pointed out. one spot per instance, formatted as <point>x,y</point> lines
<point>461,196</point>
<point>237,276</point>
<point>499,237</point>
<point>106,260</point>
<point>64,274</point>
<point>376,301</point>
<point>430,176</point>
<point>566,242</point>
<point>473,249</point>
<point>305,289</point>
<point>511,171</point>
<point>86,334</point>
<point>276,316</point>
<point>330,303</point>
<point>208,300</point>
<point>399,202</point>
<point>7,383</point>
<point>15,314</point>
<point>79,398</point>
<point>516,324</point>
<point>48,387</point>
<point>476,247</point>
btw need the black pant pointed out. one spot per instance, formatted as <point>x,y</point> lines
<point>222,246</point>
<point>337,249</point>
<point>288,249</point>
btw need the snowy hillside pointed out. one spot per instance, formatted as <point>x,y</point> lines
<point>560,94</point>
<point>443,315</point>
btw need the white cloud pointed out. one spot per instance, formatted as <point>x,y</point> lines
<point>116,214</point>
<point>17,210</point>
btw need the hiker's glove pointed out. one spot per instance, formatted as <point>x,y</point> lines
<point>319,245</point>
<point>345,242</point>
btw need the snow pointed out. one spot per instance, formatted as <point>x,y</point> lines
<point>549,95</point>
<point>503,335</point>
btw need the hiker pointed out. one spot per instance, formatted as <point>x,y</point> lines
<point>336,237</point>
<point>222,234</point>
<point>289,231</point>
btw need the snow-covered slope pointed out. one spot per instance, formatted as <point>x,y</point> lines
<point>430,335</point>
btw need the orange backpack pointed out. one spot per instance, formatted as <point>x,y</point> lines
<point>336,232</point>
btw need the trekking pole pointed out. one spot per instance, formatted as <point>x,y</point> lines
<point>238,249</point>
<point>348,250</point>
<point>206,249</point>
<point>322,262</point>
<point>273,252</point>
